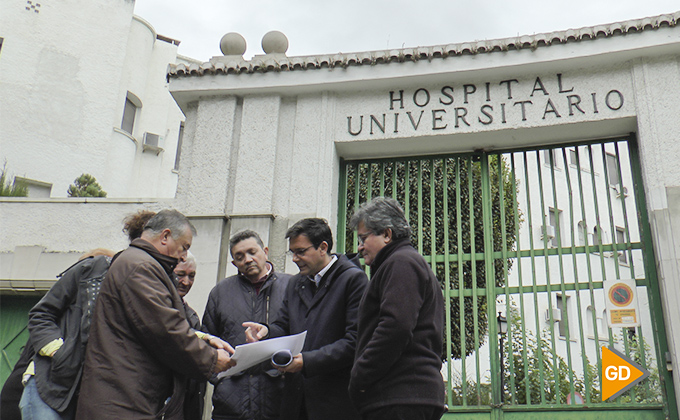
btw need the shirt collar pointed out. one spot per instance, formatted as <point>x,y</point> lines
<point>317,278</point>
<point>270,267</point>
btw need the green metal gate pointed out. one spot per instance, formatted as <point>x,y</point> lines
<point>14,330</point>
<point>523,242</point>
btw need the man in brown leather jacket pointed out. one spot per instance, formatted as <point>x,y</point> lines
<point>141,349</point>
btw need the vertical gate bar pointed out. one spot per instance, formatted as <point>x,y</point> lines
<point>447,280</point>
<point>626,226</point>
<point>342,208</point>
<point>490,283</point>
<point>357,197</point>
<point>509,316</point>
<point>420,207</point>
<point>461,283</point>
<point>546,259</point>
<point>598,225</point>
<point>433,220</point>
<point>407,191</point>
<point>395,166</point>
<point>666,379</point>
<point>591,288</point>
<point>610,209</point>
<point>473,267</point>
<point>522,311</point>
<point>579,307</point>
<point>382,178</point>
<point>369,182</point>
<point>560,260</point>
<point>532,254</point>
<point>538,329</point>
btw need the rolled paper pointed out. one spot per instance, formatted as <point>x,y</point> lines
<point>282,358</point>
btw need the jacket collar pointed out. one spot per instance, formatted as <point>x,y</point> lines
<point>168,263</point>
<point>304,284</point>
<point>388,250</point>
<point>355,258</point>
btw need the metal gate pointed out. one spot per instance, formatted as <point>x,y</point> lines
<point>14,330</point>
<point>523,243</point>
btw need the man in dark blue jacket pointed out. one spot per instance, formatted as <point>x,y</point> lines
<point>254,294</point>
<point>323,299</point>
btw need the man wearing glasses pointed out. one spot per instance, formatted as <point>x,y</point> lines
<point>396,374</point>
<point>323,299</point>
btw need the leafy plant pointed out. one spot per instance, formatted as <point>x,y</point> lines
<point>85,186</point>
<point>442,198</point>
<point>547,378</point>
<point>533,374</point>
<point>639,351</point>
<point>474,395</point>
<point>11,189</point>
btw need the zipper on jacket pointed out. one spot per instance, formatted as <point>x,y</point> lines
<point>266,314</point>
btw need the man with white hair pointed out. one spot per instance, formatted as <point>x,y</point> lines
<point>142,349</point>
<point>185,274</point>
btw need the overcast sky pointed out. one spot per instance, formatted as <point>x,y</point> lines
<point>328,27</point>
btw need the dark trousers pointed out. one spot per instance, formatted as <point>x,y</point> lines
<point>405,412</point>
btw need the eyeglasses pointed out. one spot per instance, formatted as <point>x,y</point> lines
<point>298,252</point>
<point>363,237</point>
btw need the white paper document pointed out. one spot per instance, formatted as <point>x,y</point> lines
<point>248,355</point>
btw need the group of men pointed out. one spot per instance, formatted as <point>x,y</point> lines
<point>372,349</point>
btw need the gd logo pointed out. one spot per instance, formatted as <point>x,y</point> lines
<point>619,373</point>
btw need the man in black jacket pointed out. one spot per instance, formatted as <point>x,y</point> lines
<point>323,299</point>
<point>396,373</point>
<point>254,294</point>
<point>59,327</point>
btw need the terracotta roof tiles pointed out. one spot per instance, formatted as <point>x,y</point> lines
<point>280,62</point>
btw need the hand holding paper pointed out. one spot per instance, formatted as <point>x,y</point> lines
<point>294,366</point>
<point>224,362</point>
<point>218,343</point>
<point>248,355</point>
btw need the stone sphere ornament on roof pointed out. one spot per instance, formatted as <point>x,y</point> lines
<point>233,44</point>
<point>274,42</point>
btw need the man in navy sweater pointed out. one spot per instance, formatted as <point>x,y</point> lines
<point>396,373</point>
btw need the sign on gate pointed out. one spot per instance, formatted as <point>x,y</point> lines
<point>622,307</point>
<point>619,373</point>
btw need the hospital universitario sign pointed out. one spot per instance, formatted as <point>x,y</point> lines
<point>491,104</point>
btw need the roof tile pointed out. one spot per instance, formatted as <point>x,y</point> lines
<point>234,65</point>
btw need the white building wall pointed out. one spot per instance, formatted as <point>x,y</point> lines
<point>66,71</point>
<point>58,86</point>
